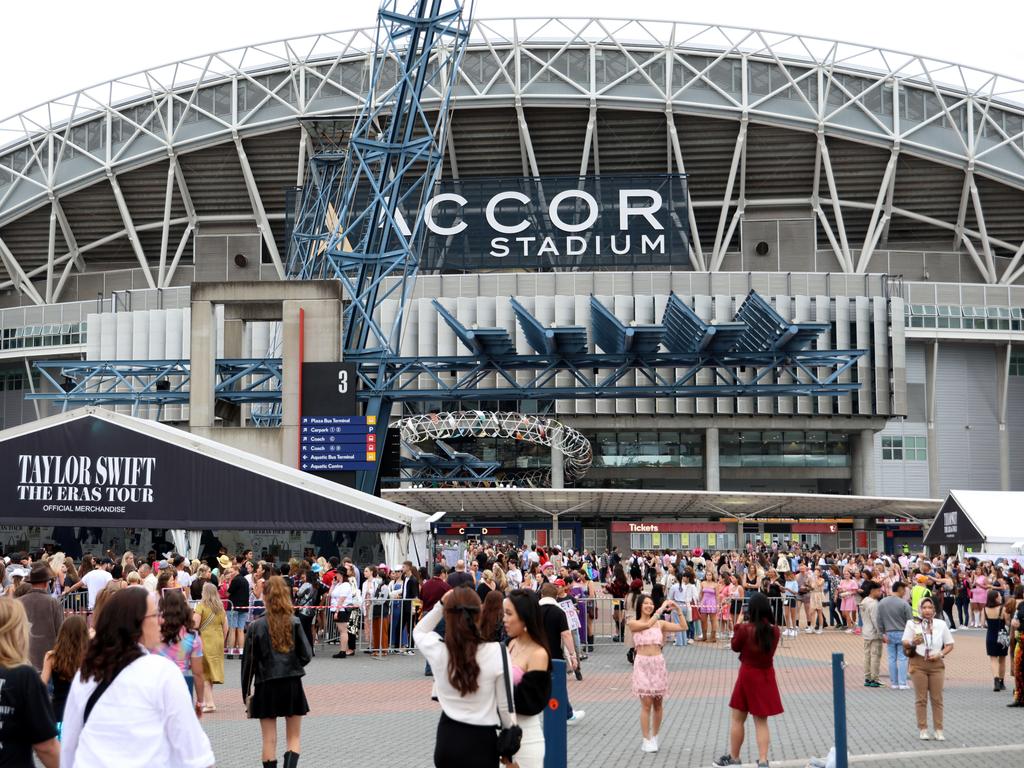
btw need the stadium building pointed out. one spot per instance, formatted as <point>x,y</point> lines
<point>877,193</point>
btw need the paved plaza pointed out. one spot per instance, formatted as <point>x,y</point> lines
<point>369,711</point>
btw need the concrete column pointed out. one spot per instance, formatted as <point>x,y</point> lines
<point>712,474</point>
<point>862,463</point>
<point>557,466</point>
<point>234,331</point>
<point>322,344</point>
<point>931,367</point>
<point>201,380</point>
<point>557,480</point>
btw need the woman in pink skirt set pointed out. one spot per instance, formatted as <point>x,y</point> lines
<point>650,677</point>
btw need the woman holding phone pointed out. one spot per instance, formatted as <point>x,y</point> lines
<point>927,642</point>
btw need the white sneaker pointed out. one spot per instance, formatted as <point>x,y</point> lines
<point>904,687</point>
<point>809,630</point>
<point>925,736</point>
<point>818,631</point>
<point>647,746</point>
<point>577,715</point>
<point>939,736</point>
<point>654,742</point>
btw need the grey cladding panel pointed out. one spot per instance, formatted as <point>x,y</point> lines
<point>966,418</point>
<point>796,245</point>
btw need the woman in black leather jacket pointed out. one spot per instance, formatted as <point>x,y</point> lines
<point>276,650</point>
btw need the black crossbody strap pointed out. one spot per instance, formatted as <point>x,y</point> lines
<point>508,680</point>
<point>100,690</point>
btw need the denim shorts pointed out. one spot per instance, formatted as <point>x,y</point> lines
<point>236,619</point>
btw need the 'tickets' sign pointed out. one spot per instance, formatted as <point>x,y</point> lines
<point>694,527</point>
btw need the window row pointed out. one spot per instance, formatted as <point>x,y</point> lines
<point>677,541</point>
<point>648,449</point>
<point>42,336</point>
<point>964,317</point>
<point>906,448</point>
<point>790,448</point>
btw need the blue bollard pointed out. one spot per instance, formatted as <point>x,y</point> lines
<point>556,737</point>
<point>839,709</point>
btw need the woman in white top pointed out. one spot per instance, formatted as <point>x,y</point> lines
<point>471,690</point>
<point>344,597</point>
<point>928,641</point>
<point>677,595</point>
<point>144,714</point>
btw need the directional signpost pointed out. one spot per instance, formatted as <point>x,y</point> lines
<point>334,442</point>
<point>338,443</point>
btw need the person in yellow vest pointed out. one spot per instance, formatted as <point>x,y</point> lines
<point>919,593</point>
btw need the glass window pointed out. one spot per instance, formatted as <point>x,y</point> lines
<point>1017,364</point>
<point>892,448</point>
<point>915,448</point>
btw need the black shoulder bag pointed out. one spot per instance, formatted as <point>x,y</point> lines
<point>509,739</point>
<point>95,696</point>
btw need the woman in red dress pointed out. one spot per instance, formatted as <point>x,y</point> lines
<point>756,692</point>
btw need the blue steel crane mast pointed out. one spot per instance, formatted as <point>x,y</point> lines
<point>394,158</point>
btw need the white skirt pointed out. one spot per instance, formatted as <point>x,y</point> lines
<point>531,750</point>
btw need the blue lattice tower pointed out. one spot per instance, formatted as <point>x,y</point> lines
<point>315,214</point>
<point>393,160</point>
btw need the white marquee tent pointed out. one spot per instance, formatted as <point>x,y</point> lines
<point>983,521</point>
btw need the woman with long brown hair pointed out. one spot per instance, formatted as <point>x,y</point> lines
<point>276,651</point>
<point>181,643</point>
<point>472,693</point>
<point>127,706</point>
<point>62,663</point>
<point>27,725</point>
<point>491,616</point>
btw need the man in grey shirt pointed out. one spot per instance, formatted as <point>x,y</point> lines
<point>893,614</point>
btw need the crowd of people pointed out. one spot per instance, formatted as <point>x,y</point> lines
<point>70,630</point>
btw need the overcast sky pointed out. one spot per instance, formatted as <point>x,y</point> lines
<point>49,49</point>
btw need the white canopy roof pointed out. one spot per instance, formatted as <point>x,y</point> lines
<point>638,504</point>
<point>972,517</point>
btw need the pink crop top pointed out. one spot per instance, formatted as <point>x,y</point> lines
<point>652,636</point>
<point>517,675</point>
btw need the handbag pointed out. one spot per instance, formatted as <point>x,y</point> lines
<point>631,655</point>
<point>509,739</point>
<point>1003,638</point>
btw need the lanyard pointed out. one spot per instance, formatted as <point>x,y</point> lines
<point>928,635</point>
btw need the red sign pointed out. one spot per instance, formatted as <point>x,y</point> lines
<point>815,527</point>
<point>669,527</point>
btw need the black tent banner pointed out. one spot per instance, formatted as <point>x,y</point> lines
<point>952,527</point>
<point>90,471</point>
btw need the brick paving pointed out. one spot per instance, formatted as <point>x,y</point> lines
<point>369,711</point>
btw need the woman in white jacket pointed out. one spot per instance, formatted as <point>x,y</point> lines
<point>471,689</point>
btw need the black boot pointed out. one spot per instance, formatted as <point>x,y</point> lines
<point>995,684</point>
<point>270,764</point>
<point>1002,684</point>
<point>291,759</point>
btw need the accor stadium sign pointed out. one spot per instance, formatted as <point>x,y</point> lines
<point>594,222</point>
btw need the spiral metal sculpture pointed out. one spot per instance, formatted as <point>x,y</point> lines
<point>538,430</point>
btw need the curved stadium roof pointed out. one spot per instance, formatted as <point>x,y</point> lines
<point>886,150</point>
